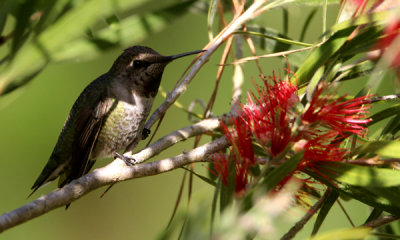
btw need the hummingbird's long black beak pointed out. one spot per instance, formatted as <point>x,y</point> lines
<point>173,57</point>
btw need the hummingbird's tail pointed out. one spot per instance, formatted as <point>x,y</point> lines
<point>50,172</point>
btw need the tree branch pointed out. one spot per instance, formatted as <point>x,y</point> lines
<point>114,172</point>
<point>182,134</point>
<point>381,221</point>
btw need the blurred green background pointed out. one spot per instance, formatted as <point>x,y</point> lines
<point>32,117</point>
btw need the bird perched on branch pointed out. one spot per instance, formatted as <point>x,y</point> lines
<point>109,116</point>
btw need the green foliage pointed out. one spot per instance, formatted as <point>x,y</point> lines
<point>72,30</point>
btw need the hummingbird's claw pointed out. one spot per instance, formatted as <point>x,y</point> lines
<point>129,161</point>
<point>145,133</point>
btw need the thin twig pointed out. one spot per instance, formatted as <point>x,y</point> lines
<point>300,224</point>
<point>346,213</point>
<point>178,200</point>
<point>278,54</point>
<point>381,221</point>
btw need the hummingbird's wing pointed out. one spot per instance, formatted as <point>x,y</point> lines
<point>88,125</point>
<point>70,157</point>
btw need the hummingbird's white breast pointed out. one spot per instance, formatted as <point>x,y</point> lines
<point>123,126</point>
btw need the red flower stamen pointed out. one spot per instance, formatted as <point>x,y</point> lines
<point>339,115</point>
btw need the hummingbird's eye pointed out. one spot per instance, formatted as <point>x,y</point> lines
<point>140,64</point>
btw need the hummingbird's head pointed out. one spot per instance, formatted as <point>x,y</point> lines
<point>142,68</point>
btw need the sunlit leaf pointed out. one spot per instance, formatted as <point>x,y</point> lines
<point>354,233</point>
<point>365,176</point>
<point>384,148</point>
<point>311,2</point>
<point>365,190</point>
<point>210,17</point>
<point>373,18</point>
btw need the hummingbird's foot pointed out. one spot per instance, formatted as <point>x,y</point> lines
<point>129,161</point>
<point>145,133</point>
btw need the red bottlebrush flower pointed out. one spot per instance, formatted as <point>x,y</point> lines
<point>221,165</point>
<point>272,117</point>
<point>337,114</point>
<point>242,169</point>
<point>241,140</point>
<point>281,94</point>
<point>270,114</point>
<point>360,6</point>
<point>322,148</point>
<point>242,154</point>
<point>390,33</point>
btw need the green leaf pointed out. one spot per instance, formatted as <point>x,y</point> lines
<point>365,176</point>
<point>392,127</point>
<point>339,44</point>
<point>33,56</point>
<point>121,35</point>
<point>323,212</point>
<point>275,38</point>
<point>386,113</point>
<point>375,214</point>
<point>274,177</point>
<point>51,13</point>
<point>269,39</point>
<point>5,8</point>
<point>23,24</point>
<point>352,71</point>
<point>373,18</point>
<point>354,182</point>
<point>381,198</point>
<point>385,148</point>
<point>307,23</point>
<point>205,179</point>
<point>311,2</point>
<point>363,41</point>
<point>210,17</point>
<point>65,39</point>
<point>285,21</point>
<point>354,233</point>
<point>321,55</point>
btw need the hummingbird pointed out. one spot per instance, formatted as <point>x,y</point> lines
<point>109,115</point>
